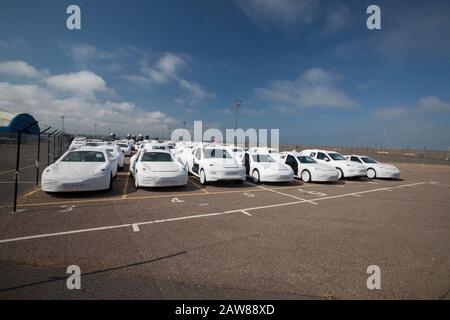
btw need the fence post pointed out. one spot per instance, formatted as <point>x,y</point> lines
<point>16,174</point>
<point>39,155</point>
<point>54,145</point>
<point>48,146</point>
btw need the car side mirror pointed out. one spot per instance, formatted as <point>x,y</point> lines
<point>326,159</point>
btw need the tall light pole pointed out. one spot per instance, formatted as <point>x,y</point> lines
<point>385,139</point>
<point>95,129</point>
<point>62,123</point>
<point>237,105</point>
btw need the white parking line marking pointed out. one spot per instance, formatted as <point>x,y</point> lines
<point>440,184</point>
<point>203,204</point>
<point>245,211</point>
<point>288,195</point>
<point>314,193</point>
<point>238,211</point>
<point>410,185</point>
<point>135,227</point>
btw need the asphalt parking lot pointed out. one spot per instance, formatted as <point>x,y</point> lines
<point>226,241</point>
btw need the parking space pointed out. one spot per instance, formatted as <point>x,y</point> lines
<point>289,240</point>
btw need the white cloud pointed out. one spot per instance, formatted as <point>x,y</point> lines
<point>163,71</point>
<point>85,53</point>
<point>315,88</point>
<point>14,45</point>
<point>194,89</point>
<point>338,17</point>
<point>75,96</point>
<point>391,113</point>
<point>317,75</point>
<point>82,82</point>
<point>418,29</point>
<point>21,69</point>
<point>433,104</point>
<point>281,13</point>
<point>81,111</point>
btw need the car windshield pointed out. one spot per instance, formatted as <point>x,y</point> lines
<point>336,156</point>
<point>123,145</point>
<point>156,157</point>
<point>262,158</point>
<point>305,159</point>
<point>92,144</point>
<point>273,151</point>
<point>159,148</point>
<point>84,156</point>
<point>368,160</point>
<point>238,150</point>
<point>217,153</point>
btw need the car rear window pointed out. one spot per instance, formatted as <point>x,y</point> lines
<point>84,156</point>
<point>156,157</point>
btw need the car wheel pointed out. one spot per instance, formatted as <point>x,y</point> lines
<point>202,177</point>
<point>341,174</point>
<point>111,182</point>
<point>255,176</point>
<point>371,174</point>
<point>306,176</point>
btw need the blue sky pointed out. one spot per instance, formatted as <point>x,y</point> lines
<point>308,67</point>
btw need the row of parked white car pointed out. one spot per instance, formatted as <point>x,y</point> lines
<point>94,164</point>
<point>88,165</point>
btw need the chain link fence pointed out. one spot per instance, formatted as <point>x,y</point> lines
<point>36,153</point>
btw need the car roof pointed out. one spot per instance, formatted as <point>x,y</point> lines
<point>156,150</point>
<point>320,150</point>
<point>87,148</point>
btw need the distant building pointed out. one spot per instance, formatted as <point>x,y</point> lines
<point>11,122</point>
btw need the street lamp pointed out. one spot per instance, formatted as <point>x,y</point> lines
<point>237,105</point>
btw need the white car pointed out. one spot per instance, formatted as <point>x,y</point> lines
<point>274,153</point>
<point>374,168</point>
<point>157,168</point>
<point>307,169</point>
<point>346,168</point>
<point>214,163</point>
<point>126,149</point>
<point>261,167</point>
<point>83,169</point>
<point>77,143</point>
<point>117,154</point>
<point>237,153</point>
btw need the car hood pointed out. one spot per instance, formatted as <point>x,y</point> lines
<point>274,166</point>
<point>224,163</point>
<point>161,166</point>
<point>76,169</point>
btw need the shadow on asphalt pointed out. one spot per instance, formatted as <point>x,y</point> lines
<point>57,278</point>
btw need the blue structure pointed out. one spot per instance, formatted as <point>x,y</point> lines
<point>13,122</point>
